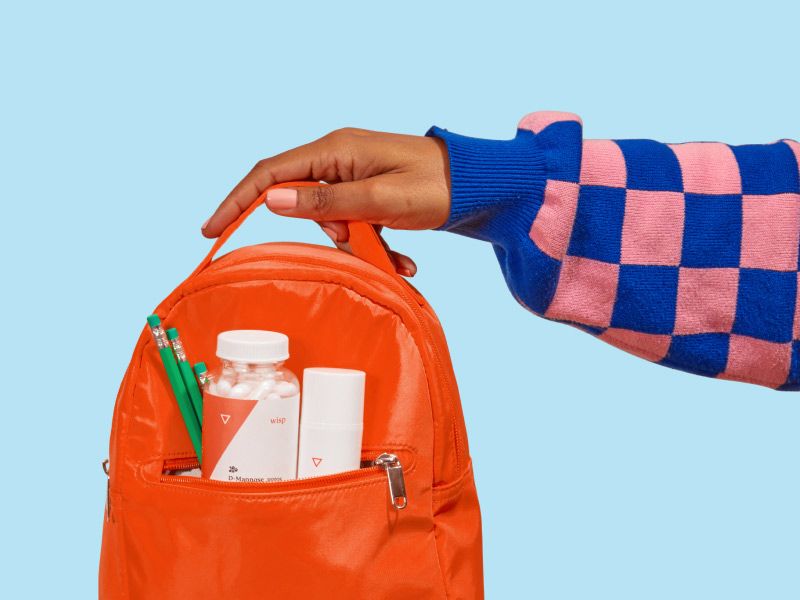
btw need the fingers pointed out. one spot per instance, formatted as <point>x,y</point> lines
<point>403,264</point>
<point>246,191</point>
<point>395,180</point>
<point>339,234</point>
<point>336,230</point>
<point>369,200</point>
<point>314,161</point>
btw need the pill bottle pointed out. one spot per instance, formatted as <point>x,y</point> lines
<point>251,408</point>
<point>332,421</point>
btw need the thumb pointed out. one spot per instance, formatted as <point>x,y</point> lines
<point>364,200</point>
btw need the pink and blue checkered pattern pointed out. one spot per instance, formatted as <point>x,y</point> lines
<point>683,254</point>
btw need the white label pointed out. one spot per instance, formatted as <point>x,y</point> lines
<point>250,441</point>
<point>327,450</point>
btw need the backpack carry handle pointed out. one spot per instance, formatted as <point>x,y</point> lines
<point>364,240</point>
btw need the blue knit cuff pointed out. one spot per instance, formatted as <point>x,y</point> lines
<point>493,183</point>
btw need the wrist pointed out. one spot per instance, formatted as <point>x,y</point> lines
<point>443,188</point>
<point>491,180</point>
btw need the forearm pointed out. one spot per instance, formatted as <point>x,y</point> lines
<point>683,254</point>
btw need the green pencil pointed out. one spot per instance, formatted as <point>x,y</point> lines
<point>176,381</point>
<point>203,376</point>
<point>195,394</point>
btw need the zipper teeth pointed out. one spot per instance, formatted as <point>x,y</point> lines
<point>175,464</point>
<point>410,301</point>
<point>273,486</point>
<point>180,463</point>
<point>191,462</point>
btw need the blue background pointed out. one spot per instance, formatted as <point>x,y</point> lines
<point>600,475</point>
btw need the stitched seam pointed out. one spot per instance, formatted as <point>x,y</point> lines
<point>447,492</point>
<point>120,460</point>
<point>457,441</point>
<point>450,491</point>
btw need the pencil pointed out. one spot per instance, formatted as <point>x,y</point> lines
<point>188,375</point>
<point>176,381</point>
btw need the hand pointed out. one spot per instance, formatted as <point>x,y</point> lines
<point>392,180</point>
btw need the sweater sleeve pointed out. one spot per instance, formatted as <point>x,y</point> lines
<point>683,254</point>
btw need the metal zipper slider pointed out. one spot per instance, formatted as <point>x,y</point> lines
<point>397,483</point>
<point>105,465</point>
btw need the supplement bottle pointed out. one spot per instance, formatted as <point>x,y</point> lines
<point>332,421</point>
<point>251,410</point>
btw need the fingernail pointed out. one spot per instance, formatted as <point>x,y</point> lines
<point>282,199</point>
<point>205,224</point>
<point>331,233</point>
<point>405,272</point>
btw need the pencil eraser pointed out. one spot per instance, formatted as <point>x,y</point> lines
<point>153,321</point>
<point>172,333</point>
<point>200,368</point>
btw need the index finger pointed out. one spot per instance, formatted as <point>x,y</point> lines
<point>295,164</point>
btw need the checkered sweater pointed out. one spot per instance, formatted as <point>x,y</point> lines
<point>683,254</point>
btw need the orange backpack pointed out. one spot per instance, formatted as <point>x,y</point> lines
<point>339,536</point>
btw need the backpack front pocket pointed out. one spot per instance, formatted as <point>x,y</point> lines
<point>350,535</point>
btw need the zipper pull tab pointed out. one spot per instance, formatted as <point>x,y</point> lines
<point>105,465</point>
<point>397,483</point>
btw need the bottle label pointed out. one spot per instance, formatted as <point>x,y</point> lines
<point>250,441</point>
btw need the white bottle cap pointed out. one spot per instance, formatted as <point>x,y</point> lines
<point>252,346</point>
<point>333,396</point>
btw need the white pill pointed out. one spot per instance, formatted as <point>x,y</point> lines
<point>222,387</point>
<point>262,388</point>
<point>286,388</point>
<point>240,390</point>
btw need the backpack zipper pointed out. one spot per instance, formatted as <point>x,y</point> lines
<point>397,482</point>
<point>390,463</point>
<point>107,470</point>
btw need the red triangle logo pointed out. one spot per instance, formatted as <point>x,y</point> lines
<point>218,434</point>
<point>316,461</point>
